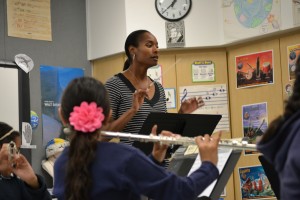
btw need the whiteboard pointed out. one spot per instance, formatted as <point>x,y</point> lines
<point>9,96</point>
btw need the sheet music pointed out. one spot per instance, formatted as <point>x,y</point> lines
<point>215,99</point>
<point>223,154</point>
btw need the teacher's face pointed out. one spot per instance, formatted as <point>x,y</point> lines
<point>147,51</point>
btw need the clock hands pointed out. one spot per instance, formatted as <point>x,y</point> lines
<point>172,4</point>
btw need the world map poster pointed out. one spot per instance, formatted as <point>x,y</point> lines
<point>248,18</point>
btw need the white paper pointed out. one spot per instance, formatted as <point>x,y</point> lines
<point>215,99</point>
<point>223,154</point>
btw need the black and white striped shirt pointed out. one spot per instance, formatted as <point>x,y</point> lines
<point>121,91</point>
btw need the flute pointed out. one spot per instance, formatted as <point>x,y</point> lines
<point>184,141</point>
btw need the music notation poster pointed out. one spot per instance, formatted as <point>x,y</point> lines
<point>254,69</point>
<point>255,184</point>
<point>293,52</point>
<point>29,19</point>
<point>215,99</point>
<point>255,122</point>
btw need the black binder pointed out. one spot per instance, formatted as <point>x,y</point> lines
<point>188,125</point>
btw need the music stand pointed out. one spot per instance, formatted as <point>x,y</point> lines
<point>188,125</point>
<point>271,174</point>
<point>181,165</point>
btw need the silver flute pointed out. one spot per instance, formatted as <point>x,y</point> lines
<point>184,141</point>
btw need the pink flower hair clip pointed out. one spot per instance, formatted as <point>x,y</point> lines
<point>86,117</point>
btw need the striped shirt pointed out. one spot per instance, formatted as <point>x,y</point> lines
<point>121,92</point>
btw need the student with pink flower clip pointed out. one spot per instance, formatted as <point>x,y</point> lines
<point>93,168</point>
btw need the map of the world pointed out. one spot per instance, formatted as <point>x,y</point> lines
<point>252,13</point>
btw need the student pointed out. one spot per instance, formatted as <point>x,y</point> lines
<point>17,178</point>
<point>93,168</point>
<point>280,144</point>
<point>133,94</point>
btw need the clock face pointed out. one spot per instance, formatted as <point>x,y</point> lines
<point>173,10</point>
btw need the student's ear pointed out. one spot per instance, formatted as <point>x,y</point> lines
<point>107,119</point>
<point>64,122</point>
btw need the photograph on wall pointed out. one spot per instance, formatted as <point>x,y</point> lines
<point>155,73</point>
<point>254,69</point>
<point>244,19</point>
<point>254,183</point>
<point>175,34</point>
<point>170,98</point>
<point>53,82</point>
<point>215,98</point>
<point>255,122</point>
<point>203,71</point>
<point>293,52</point>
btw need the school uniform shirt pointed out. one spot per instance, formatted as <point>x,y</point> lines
<point>16,189</point>
<point>283,152</point>
<point>122,172</point>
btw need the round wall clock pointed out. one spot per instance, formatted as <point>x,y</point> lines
<point>173,10</point>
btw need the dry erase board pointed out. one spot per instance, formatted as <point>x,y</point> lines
<point>14,92</point>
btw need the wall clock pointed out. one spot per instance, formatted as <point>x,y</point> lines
<point>173,10</point>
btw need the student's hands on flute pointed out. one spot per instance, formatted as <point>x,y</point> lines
<point>159,149</point>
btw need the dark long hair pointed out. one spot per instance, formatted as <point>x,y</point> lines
<point>5,128</point>
<point>78,180</point>
<point>133,39</point>
<point>292,105</point>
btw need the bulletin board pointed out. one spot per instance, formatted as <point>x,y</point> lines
<point>270,93</point>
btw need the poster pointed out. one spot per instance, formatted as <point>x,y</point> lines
<point>53,82</point>
<point>175,34</point>
<point>170,98</point>
<point>255,122</point>
<point>293,52</point>
<point>215,100</point>
<point>244,19</point>
<point>155,73</point>
<point>29,19</point>
<point>254,69</point>
<point>203,71</point>
<point>254,183</point>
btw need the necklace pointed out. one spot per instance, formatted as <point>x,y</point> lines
<point>138,82</point>
<point>5,177</point>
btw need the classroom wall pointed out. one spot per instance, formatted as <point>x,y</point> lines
<point>177,74</point>
<point>68,48</point>
<point>203,25</point>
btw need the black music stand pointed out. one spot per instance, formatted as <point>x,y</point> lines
<point>271,174</point>
<point>188,125</point>
<point>181,166</point>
